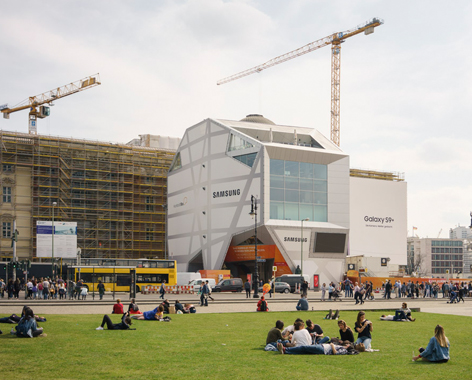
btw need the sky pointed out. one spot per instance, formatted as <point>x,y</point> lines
<point>406,90</point>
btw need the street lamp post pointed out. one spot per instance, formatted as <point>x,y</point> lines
<point>253,214</point>
<point>54,204</point>
<point>301,249</point>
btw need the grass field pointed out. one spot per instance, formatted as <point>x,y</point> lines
<point>225,346</point>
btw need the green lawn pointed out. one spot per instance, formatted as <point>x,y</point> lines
<point>217,346</point>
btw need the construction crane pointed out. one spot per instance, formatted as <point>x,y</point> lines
<point>335,40</point>
<point>36,103</point>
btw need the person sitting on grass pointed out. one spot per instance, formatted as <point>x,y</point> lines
<point>346,333</point>
<point>124,325</point>
<point>302,303</point>
<point>27,327</point>
<point>363,327</point>
<point>437,350</point>
<point>301,336</point>
<point>291,329</point>
<point>133,307</point>
<point>275,334</point>
<point>153,315</point>
<point>262,305</point>
<point>179,307</point>
<point>118,307</point>
<point>316,332</point>
<point>404,313</point>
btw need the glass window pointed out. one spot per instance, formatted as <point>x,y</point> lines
<point>306,170</point>
<point>177,164</point>
<point>291,169</point>
<point>294,181</point>
<point>276,181</point>
<point>238,143</point>
<point>306,184</point>
<point>277,210</point>
<point>247,159</point>
<point>321,214</point>
<point>277,167</point>
<point>6,230</point>
<point>277,195</point>
<point>306,197</point>
<point>321,198</point>
<point>291,211</point>
<point>320,171</point>
<point>306,211</point>
<point>292,196</point>
<point>6,194</point>
<point>291,183</point>
<point>321,186</point>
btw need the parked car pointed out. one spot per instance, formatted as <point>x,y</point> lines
<point>280,287</point>
<point>197,284</point>
<point>292,280</point>
<point>229,285</point>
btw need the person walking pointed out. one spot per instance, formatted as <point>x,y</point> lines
<point>162,289</point>
<point>204,294</point>
<point>247,287</point>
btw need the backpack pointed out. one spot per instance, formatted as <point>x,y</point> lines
<point>135,307</point>
<point>263,306</point>
<point>25,328</point>
<point>40,286</point>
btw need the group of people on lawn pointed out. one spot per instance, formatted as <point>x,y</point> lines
<point>308,338</point>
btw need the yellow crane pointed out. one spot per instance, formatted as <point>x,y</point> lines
<point>335,40</point>
<point>36,103</point>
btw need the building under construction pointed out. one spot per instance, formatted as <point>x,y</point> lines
<point>116,193</point>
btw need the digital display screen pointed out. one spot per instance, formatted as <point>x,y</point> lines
<point>330,243</point>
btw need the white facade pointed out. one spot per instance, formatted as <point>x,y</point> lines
<point>460,232</point>
<point>220,164</point>
<point>378,225</point>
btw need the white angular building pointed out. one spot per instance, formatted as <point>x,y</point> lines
<point>294,173</point>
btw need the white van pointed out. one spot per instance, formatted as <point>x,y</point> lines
<point>198,283</point>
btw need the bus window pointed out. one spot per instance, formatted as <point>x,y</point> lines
<point>123,280</point>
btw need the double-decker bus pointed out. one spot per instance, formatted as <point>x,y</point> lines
<point>116,274</point>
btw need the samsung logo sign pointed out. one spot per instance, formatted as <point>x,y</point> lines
<point>226,193</point>
<point>295,239</point>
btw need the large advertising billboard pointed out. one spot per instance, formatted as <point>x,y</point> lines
<point>378,219</point>
<point>65,239</point>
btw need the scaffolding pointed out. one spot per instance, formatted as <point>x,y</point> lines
<point>116,193</point>
<point>386,176</point>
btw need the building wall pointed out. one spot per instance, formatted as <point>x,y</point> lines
<point>115,193</point>
<point>202,226</point>
<point>378,216</point>
<point>438,255</point>
<point>201,219</point>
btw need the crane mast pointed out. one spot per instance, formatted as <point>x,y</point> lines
<point>335,41</point>
<point>33,102</point>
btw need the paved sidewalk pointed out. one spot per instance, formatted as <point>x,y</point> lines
<point>231,303</point>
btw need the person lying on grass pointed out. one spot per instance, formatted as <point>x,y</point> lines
<point>153,315</point>
<point>124,325</point>
<point>15,318</point>
<point>316,349</point>
<point>438,348</point>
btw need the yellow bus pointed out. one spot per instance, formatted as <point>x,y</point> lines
<point>118,276</point>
